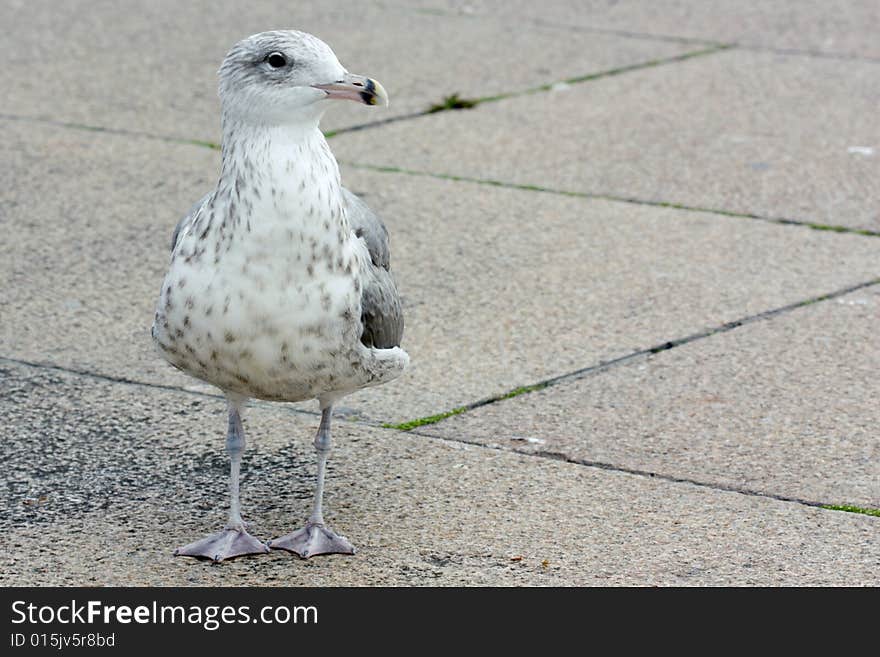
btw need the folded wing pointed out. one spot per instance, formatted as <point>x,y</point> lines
<point>381,314</point>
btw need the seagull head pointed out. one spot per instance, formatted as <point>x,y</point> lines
<point>284,76</point>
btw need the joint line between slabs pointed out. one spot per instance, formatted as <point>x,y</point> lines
<point>110,378</point>
<point>610,467</point>
<point>468,103</point>
<point>553,25</point>
<point>782,221</point>
<point>516,392</point>
<point>73,125</point>
<point>625,359</point>
<point>673,38</point>
<point>541,454</point>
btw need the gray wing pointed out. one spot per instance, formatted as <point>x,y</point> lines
<point>381,314</point>
<point>183,223</point>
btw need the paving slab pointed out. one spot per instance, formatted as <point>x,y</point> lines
<point>105,479</point>
<point>785,406</point>
<point>152,67</point>
<point>833,28</point>
<point>92,217</point>
<point>501,287</point>
<point>748,132</point>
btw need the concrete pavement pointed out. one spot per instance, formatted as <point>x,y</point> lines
<point>640,278</point>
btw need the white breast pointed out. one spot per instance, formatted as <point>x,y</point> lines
<point>263,293</point>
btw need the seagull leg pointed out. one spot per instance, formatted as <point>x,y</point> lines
<point>316,538</point>
<point>233,541</point>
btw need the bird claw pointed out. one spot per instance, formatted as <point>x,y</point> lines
<point>228,544</point>
<point>312,540</point>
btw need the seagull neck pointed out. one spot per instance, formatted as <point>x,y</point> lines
<point>288,155</point>
<point>281,171</point>
<point>236,129</point>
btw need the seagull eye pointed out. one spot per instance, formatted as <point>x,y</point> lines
<point>276,60</point>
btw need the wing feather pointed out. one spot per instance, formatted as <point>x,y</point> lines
<point>382,313</point>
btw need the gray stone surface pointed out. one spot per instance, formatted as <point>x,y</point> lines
<point>832,28</point>
<point>91,217</point>
<point>501,287</point>
<point>152,67</point>
<point>785,407</point>
<point>740,131</point>
<point>107,470</point>
<point>106,479</point>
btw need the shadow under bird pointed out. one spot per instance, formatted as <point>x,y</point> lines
<point>279,285</point>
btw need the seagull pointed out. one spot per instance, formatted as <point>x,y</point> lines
<point>279,286</point>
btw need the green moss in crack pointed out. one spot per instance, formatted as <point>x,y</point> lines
<point>522,390</point>
<point>842,229</point>
<point>453,102</point>
<point>852,509</point>
<point>422,421</point>
<point>203,144</point>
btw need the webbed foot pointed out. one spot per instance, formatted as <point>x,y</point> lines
<point>311,540</point>
<point>228,544</point>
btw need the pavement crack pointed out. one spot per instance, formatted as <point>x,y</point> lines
<point>627,34</point>
<point>374,124</point>
<point>646,36</point>
<point>649,474</point>
<point>510,394</point>
<point>849,508</point>
<point>72,125</point>
<point>542,454</point>
<point>553,25</point>
<point>782,221</point>
<point>628,358</point>
<point>455,102</point>
<point>110,378</point>
<point>653,36</point>
<point>653,63</point>
<point>449,103</point>
<point>431,419</point>
<point>806,52</point>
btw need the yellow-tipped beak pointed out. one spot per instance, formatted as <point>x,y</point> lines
<point>357,88</point>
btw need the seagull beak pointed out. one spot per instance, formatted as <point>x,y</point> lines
<point>356,88</point>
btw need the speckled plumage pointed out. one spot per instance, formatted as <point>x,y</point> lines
<point>265,293</point>
<point>279,286</point>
